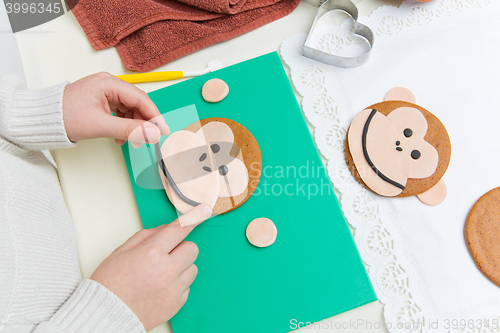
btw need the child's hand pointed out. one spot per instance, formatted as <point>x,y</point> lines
<point>152,271</point>
<point>89,102</point>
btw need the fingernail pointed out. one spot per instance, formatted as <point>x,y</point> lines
<point>152,134</point>
<point>167,129</point>
<point>161,124</point>
<point>136,145</point>
<point>207,210</point>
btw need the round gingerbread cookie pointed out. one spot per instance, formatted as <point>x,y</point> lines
<point>482,234</point>
<point>397,148</point>
<point>215,161</point>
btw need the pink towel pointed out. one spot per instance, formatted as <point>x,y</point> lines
<point>151,33</point>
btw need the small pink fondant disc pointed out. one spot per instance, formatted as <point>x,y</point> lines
<point>214,90</point>
<point>261,232</point>
<point>400,94</point>
<point>435,195</point>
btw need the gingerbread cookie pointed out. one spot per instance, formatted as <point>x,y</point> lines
<point>482,234</point>
<point>209,162</point>
<point>398,149</point>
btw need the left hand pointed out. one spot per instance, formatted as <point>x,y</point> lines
<point>89,102</point>
<point>152,271</point>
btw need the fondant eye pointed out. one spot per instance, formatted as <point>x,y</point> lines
<point>215,148</point>
<point>223,170</point>
<point>207,169</point>
<point>408,132</point>
<point>203,157</point>
<point>415,154</point>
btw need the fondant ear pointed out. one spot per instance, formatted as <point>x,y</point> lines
<point>400,94</point>
<point>216,131</point>
<point>435,195</point>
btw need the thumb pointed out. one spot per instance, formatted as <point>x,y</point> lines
<point>133,130</point>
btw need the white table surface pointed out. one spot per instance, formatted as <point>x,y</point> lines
<point>93,175</point>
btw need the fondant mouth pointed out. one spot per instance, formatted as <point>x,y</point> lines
<point>367,156</point>
<point>170,180</point>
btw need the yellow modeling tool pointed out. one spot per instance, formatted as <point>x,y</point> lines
<point>170,75</point>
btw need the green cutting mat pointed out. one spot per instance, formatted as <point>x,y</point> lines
<point>313,270</point>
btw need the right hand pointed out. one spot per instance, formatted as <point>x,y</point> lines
<point>152,271</point>
<point>89,102</point>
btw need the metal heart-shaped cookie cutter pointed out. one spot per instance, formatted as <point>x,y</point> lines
<point>359,29</point>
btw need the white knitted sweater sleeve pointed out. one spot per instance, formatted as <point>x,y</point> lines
<point>33,120</point>
<point>92,309</point>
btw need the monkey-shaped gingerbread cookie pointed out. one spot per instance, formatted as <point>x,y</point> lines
<point>209,162</point>
<point>398,149</point>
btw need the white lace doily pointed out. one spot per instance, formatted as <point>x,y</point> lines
<point>327,105</point>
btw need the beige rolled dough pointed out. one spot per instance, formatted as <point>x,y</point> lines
<point>214,90</point>
<point>261,232</point>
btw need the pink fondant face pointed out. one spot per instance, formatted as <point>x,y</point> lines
<point>387,150</point>
<point>202,167</point>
